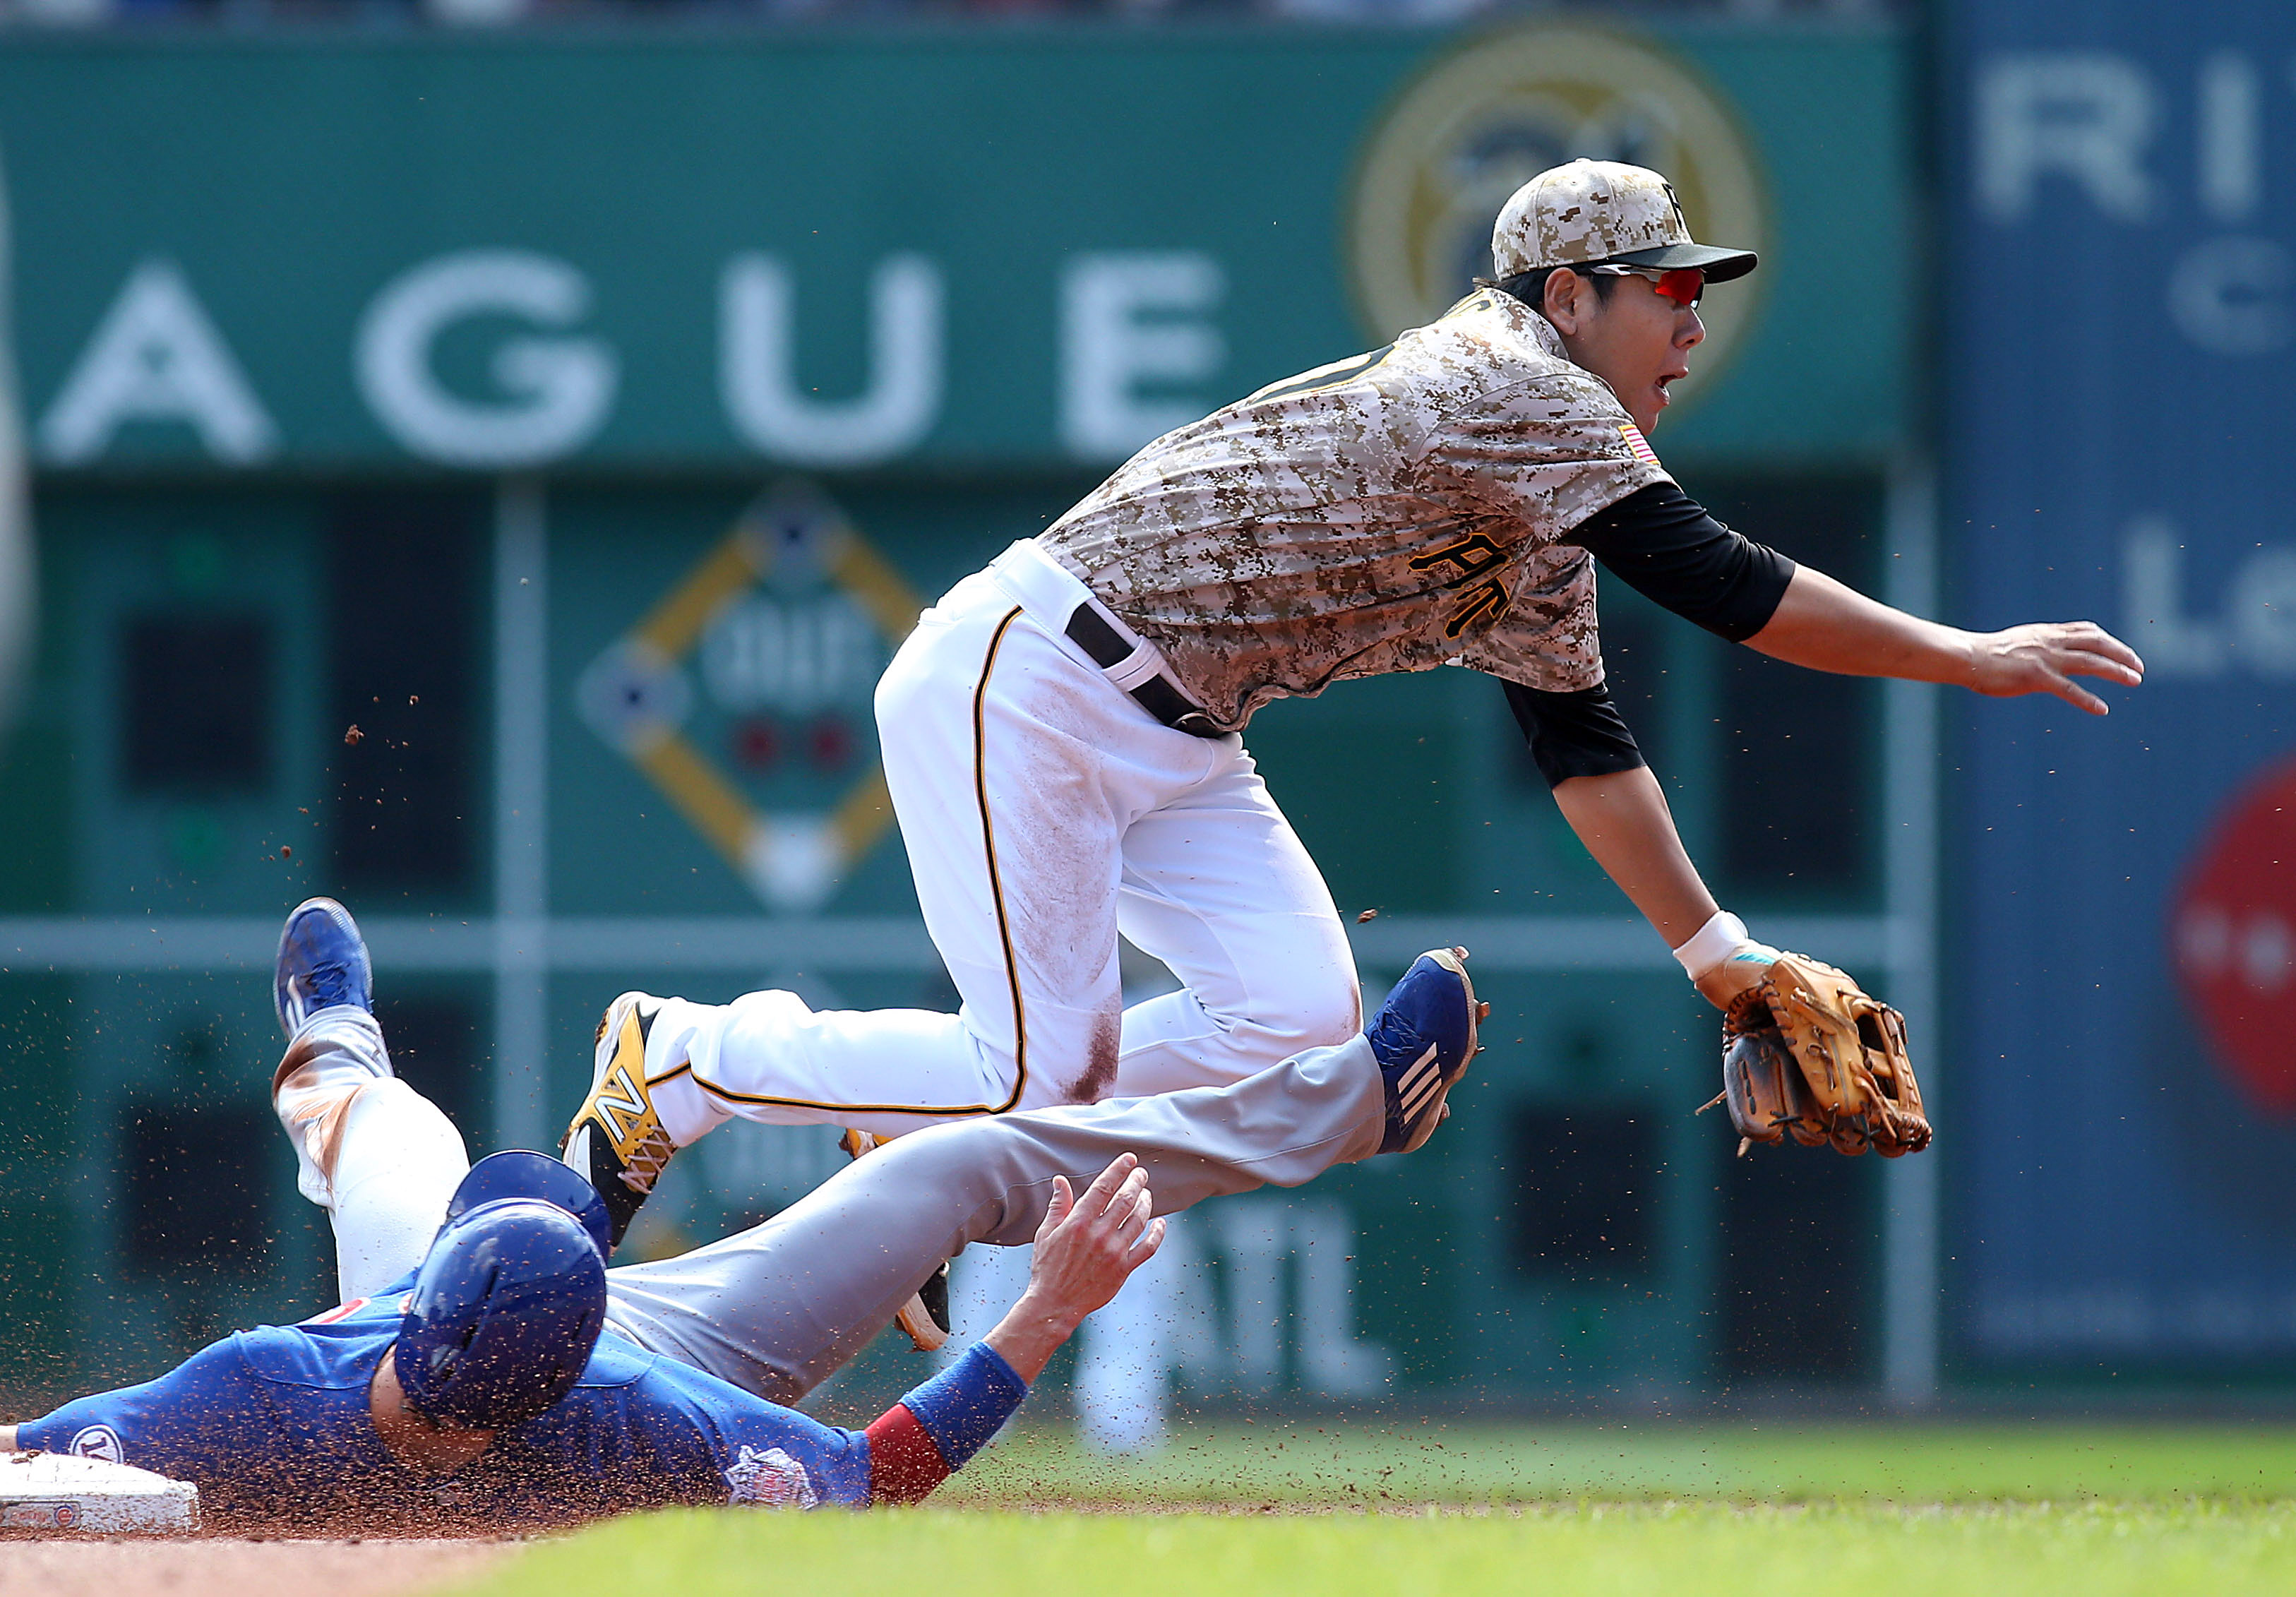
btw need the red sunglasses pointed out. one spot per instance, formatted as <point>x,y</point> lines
<point>1681,284</point>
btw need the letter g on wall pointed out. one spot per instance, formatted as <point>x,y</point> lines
<point>556,392</point>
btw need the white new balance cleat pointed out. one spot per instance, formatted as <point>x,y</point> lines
<point>616,1139</point>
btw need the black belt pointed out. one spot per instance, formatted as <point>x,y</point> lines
<point>1160,696</point>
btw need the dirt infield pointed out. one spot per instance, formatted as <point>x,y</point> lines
<point>231,1566</point>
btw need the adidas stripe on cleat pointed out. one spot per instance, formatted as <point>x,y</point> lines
<point>616,1139</point>
<point>1422,1037</point>
<point>1416,1087</point>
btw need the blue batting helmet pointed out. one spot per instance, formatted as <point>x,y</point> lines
<point>510,1300</point>
<point>518,1173</point>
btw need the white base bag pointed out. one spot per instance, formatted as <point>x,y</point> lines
<point>50,1492</point>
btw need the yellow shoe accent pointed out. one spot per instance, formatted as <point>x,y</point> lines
<point>618,1105</point>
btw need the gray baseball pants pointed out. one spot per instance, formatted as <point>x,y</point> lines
<point>778,1308</point>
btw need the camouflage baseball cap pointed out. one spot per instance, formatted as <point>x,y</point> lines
<point>1591,211</point>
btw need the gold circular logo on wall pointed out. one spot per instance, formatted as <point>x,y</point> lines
<point>1486,118</point>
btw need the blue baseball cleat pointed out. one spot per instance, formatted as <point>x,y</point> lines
<point>322,964</point>
<point>1422,1037</point>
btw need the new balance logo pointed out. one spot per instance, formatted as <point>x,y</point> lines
<point>623,1108</point>
<point>1416,1088</point>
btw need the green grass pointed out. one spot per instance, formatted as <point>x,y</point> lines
<point>1328,1463</point>
<point>1645,1507</point>
<point>1709,1549</point>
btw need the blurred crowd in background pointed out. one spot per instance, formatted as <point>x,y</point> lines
<point>390,13</point>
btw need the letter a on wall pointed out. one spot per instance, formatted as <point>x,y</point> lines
<point>157,357</point>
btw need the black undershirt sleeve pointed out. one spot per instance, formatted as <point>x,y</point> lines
<point>1661,542</point>
<point>1573,734</point>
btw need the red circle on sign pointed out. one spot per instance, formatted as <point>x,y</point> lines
<point>833,742</point>
<point>2234,931</point>
<point>757,745</point>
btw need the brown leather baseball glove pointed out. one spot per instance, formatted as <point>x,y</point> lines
<point>1807,1054</point>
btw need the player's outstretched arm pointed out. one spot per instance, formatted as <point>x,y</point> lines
<point>1622,818</point>
<point>1084,1249</point>
<point>1827,626</point>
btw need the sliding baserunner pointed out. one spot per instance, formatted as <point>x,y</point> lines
<point>485,1356</point>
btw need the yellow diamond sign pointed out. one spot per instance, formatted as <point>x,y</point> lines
<point>744,694</point>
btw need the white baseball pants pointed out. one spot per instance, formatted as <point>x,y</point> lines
<point>1044,811</point>
<point>378,1156</point>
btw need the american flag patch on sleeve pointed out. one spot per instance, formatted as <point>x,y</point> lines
<point>1638,445</point>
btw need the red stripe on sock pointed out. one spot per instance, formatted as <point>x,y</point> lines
<point>905,1466</point>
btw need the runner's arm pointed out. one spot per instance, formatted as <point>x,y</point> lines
<point>1086,1249</point>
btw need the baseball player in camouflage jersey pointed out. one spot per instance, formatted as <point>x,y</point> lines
<point>1061,731</point>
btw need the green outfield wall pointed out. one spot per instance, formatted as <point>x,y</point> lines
<point>384,390</point>
<point>965,249</point>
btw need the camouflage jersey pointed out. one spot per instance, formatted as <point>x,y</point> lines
<point>1401,509</point>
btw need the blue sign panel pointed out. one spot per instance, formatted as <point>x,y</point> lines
<point>2119,298</point>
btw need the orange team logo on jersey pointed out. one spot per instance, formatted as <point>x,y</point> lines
<point>1488,603</point>
<point>341,1311</point>
<point>1473,555</point>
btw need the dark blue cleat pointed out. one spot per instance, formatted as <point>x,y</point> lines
<point>1422,1037</point>
<point>322,964</point>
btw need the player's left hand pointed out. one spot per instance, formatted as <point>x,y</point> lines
<point>1086,1249</point>
<point>2044,657</point>
<point>1088,1246</point>
<point>1740,973</point>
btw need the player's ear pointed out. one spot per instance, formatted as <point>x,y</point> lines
<point>1566,298</point>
